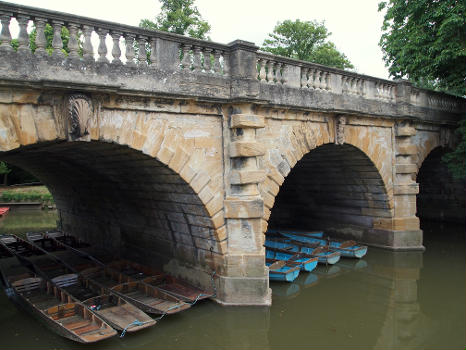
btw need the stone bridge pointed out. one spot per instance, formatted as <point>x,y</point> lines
<point>182,152</point>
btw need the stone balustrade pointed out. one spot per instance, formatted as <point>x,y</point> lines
<point>131,46</point>
<point>238,65</point>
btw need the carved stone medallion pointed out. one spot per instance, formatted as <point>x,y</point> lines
<point>80,112</point>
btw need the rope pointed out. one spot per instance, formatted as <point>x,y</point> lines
<point>134,323</point>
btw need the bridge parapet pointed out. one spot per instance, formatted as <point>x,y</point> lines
<point>161,63</point>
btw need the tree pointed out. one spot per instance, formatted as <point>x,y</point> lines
<point>307,41</point>
<point>425,41</point>
<point>180,17</point>
<point>456,160</point>
<point>4,170</point>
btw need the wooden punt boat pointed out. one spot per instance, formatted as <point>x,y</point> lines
<point>149,298</point>
<point>324,255</point>
<point>112,308</point>
<point>156,278</point>
<point>4,211</point>
<point>304,261</point>
<point>49,303</point>
<point>169,284</point>
<point>59,312</point>
<point>278,271</point>
<point>154,300</point>
<point>349,249</point>
<point>115,310</point>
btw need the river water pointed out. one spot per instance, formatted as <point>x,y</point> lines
<point>388,300</point>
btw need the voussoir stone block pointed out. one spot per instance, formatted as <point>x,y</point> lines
<point>246,121</point>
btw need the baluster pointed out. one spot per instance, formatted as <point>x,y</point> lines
<point>270,72</point>
<point>186,61</point>
<point>116,51</point>
<point>153,56</point>
<point>327,81</point>
<point>319,80</point>
<point>362,91</point>
<point>226,63</point>
<point>5,35</point>
<point>88,50</point>
<point>23,36</point>
<point>73,45</point>
<point>278,75</point>
<point>40,42</point>
<point>197,64</point>
<point>344,84</point>
<point>129,38</point>
<point>142,55</point>
<point>216,67</point>
<point>102,49</point>
<point>57,42</point>
<point>304,72</point>
<point>312,78</point>
<point>207,61</point>
<point>262,72</point>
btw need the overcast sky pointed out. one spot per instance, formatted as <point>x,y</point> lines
<point>355,24</point>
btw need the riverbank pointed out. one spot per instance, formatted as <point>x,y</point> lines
<point>30,195</point>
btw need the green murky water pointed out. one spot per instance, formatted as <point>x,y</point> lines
<point>388,300</point>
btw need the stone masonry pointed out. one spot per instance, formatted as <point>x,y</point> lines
<point>186,158</point>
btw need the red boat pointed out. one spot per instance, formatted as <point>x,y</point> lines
<point>4,210</point>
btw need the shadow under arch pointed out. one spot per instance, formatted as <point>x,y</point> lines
<point>124,200</point>
<point>335,188</point>
<point>441,197</point>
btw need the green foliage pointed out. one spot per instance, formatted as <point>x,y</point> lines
<point>425,41</point>
<point>456,160</point>
<point>12,196</point>
<point>180,17</point>
<point>48,31</point>
<point>307,41</point>
<point>4,168</point>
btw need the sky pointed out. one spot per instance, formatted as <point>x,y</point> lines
<point>354,24</point>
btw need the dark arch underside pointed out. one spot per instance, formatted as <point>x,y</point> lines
<point>441,197</point>
<point>333,188</point>
<point>121,199</point>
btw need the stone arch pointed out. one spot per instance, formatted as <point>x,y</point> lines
<point>175,170</point>
<point>441,197</point>
<point>305,137</point>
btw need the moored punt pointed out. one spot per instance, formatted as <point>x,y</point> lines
<point>324,255</point>
<point>81,288</point>
<point>149,298</point>
<point>278,271</point>
<point>113,309</point>
<point>135,271</point>
<point>348,249</point>
<point>304,261</point>
<point>69,319</point>
<point>169,284</point>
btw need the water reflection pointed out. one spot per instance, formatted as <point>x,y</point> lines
<point>388,300</point>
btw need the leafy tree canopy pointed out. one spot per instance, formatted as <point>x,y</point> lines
<point>307,41</point>
<point>180,17</point>
<point>425,41</point>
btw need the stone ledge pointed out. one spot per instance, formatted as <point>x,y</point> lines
<point>406,189</point>
<point>404,131</point>
<point>406,168</point>
<point>243,208</point>
<point>241,177</point>
<point>246,149</point>
<point>246,121</point>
